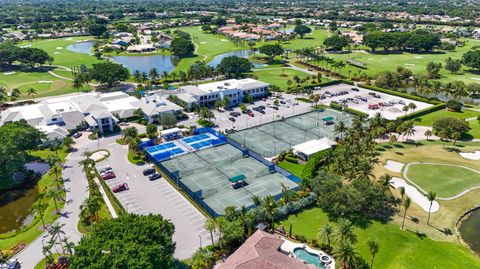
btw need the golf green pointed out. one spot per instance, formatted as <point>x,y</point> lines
<point>446,180</point>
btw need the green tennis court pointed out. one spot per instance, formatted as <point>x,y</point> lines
<point>207,173</point>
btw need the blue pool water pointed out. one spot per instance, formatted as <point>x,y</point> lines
<point>308,257</point>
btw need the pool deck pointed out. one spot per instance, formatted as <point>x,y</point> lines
<point>288,248</point>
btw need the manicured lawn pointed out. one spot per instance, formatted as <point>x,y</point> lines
<point>398,249</point>
<point>272,76</point>
<point>416,62</point>
<point>446,181</point>
<point>427,120</point>
<point>294,168</point>
<point>474,129</point>
<point>43,263</point>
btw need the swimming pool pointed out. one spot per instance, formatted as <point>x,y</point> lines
<point>311,258</point>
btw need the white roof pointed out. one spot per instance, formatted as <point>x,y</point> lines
<point>170,131</point>
<point>313,146</point>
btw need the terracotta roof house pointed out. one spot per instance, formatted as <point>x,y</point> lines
<point>262,251</point>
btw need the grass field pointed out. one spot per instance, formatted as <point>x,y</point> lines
<point>272,76</point>
<point>427,120</point>
<point>398,249</point>
<point>442,222</point>
<point>294,168</point>
<point>446,181</point>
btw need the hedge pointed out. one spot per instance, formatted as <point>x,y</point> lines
<point>422,112</point>
<point>291,159</point>
<point>348,110</point>
<point>400,94</point>
<point>293,207</point>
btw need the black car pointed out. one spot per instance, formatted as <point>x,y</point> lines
<point>77,135</point>
<point>275,107</point>
<point>355,89</point>
<point>148,171</point>
<point>233,114</point>
<point>232,119</point>
<point>154,176</point>
<point>261,111</point>
<point>261,107</point>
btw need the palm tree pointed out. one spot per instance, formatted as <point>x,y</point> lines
<point>373,246</point>
<point>271,207</point>
<point>55,194</point>
<point>39,208</point>
<point>90,207</point>
<point>210,225</point>
<point>153,74</point>
<point>77,83</point>
<point>344,231</point>
<point>428,133</point>
<point>325,234</point>
<point>3,95</point>
<point>137,76</point>
<point>54,162</point>
<point>385,180</point>
<point>345,253</point>
<point>68,142</point>
<point>431,197</point>
<point>15,94</point>
<point>406,205</point>
<point>340,127</point>
<point>32,92</point>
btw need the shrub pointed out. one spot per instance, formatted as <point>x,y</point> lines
<point>453,105</point>
<point>352,111</point>
<point>292,207</point>
<point>291,159</point>
<point>422,112</point>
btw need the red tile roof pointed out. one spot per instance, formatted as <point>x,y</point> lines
<point>261,251</point>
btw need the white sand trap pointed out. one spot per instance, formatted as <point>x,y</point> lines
<point>56,52</point>
<point>45,81</point>
<point>418,57</point>
<point>415,195</point>
<point>394,166</point>
<point>26,46</point>
<point>99,155</point>
<point>224,40</point>
<point>59,48</point>
<point>203,42</point>
<point>409,64</point>
<point>476,79</point>
<point>471,155</point>
<point>8,73</point>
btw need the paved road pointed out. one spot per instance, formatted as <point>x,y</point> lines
<point>157,197</point>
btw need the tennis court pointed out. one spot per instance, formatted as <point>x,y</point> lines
<point>270,139</point>
<point>207,172</point>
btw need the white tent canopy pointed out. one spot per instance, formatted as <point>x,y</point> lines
<point>308,148</point>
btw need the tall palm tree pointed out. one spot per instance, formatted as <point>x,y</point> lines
<point>373,247</point>
<point>325,234</point>
<point>15,94</point>
<point>32,92</point>
<point>77,83</point>
<point>385,180</point>
<point>137,76</point>
<point>90,208</point>
<point>344,231</point>
<point>406,205</point>
<point>340,127</point>
<point>431,197</point>
<point>271,207</point>
<point>3,95</point>
<point>55,194</point>
<point>153,74</point>
<point>345,253</point>
<point>39,208</point>
<point>210,226</point>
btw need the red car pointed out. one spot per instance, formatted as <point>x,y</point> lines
<point>121,187</point>
<point>109,176</point>
<point>250,114</point>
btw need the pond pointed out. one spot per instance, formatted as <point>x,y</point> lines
<point>470,231</point>
<point>146,63</point>
<point>15,208</point>
<point>82,47</point>
<point>239,53</point>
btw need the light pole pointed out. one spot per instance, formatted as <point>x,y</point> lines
<point>200,240</point>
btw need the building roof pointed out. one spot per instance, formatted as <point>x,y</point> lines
<point>224,85</point>
<point>313,146</point>
<point>261,251</point>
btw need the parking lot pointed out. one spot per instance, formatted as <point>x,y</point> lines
<point>368,101</point>
<point>158,197</point>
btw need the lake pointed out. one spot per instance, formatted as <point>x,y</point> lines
<point>470,231</point>
<point>15,208</point>
<point>239,53</point>
<point>146,63</point>
<point>82,47</point>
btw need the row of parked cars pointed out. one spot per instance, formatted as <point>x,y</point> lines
<point>152,174</point>
<point>107,173</point>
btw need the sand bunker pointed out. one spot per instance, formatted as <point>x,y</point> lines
<point>471,155</point>
<point>8,73</point>
<point>56,52</point>
<point>45,81</point>
<point>394,166</point>
<point>415,195</point>
<point>58,48</point>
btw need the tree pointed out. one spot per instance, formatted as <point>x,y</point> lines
<point>152,130</point>
<point>32,92</point>
<point>234,67</point>
<point>433,70</point>
<point>431,198</point>
<point>373,247</point>
<point>39,208</point>
<point>302,30</point>
<point>182,47</point>
<point>345,253</point>
<point>14,94</point>
<point>406,205</point>
<point>445,128</point>
<point>130,241</point>
<point>344,231</point>
<point>325,234</point>
<point>453,65</point>
<point>202,259</point>
<point>385,180</point>
<point>130,133</point>
<point>96,29</point>
<point>220,21</point>
<point>336,42</point>
<point>55,194</point>
<point>428,133</point>
<point>472,59</point>
<point>153,74</point>
<point>109,73</point>
<point>210,226</point>
<point>90,208</point>
<point>271,51</point>
<point>168,120</point>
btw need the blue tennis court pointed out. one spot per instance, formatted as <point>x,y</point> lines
<point>206,143</point>
<point>167,154</point>
<point>161,147</point>
<point>195,138</point>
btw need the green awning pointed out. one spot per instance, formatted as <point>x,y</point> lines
<point>328,118</point>
<point>237,178</point>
